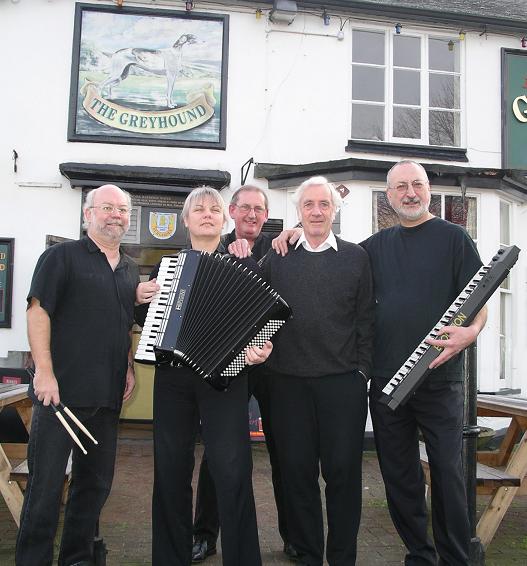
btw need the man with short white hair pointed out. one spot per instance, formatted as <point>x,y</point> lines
<point>80,313</point>
<point>320,366</point>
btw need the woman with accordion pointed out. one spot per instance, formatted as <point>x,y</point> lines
<point>183,400</point>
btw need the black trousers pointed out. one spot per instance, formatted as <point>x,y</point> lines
<point>206,519</point>
<point>181,400</point>
<point>437,410</point>
<point>91,481</point>
<point>318,425</point>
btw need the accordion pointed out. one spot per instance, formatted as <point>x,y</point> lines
<point>460,313</point>
<point>208,310</point>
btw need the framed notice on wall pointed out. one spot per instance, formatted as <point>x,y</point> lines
<point>514,108</point>
<point>148,76</point>
<point>7,248</point>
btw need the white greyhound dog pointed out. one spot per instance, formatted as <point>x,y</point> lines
<point>155,61</point>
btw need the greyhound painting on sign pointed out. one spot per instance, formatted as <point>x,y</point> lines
<point>165,62</point>
<point>148,76</point>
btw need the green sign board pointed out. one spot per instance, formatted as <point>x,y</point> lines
<point>514,109</point>
<point>6,280</point>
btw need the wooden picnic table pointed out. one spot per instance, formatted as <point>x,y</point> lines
<point>511,458</point>
<point>14,396</point>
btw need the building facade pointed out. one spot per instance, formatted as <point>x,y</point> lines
<point>161,96</point>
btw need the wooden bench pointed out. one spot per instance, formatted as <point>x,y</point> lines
<point>20,473</point>
<point>488,479</point>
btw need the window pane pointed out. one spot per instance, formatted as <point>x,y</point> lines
<point>383,214</point>
<point>368,83</point>
<point>406,51</point>
<point>435,205</point>
<point>444,128</point>
<point>444,91</point>
<point>368,47</point>
<point>367,122</point>
<point>406,87</point>
<point>407,123</point>
<point>504,223</point>
<point>463,212</point>
<point>440,58</point>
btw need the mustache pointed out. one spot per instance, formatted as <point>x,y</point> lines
<point>412,200</point>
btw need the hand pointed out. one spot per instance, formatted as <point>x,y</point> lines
<point>255,355</point>
<point>281,243</point>
<point>457,339</point>
<point>146,291</point>
<point>46,387</point>
<point>130,384</point>
<point>240,248</point>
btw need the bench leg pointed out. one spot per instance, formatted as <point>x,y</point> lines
<point>495,511</point>
<point>10,490</point>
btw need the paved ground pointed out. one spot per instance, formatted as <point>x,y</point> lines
<point>125,523</point>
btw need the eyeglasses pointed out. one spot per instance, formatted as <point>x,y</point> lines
<point>245,208</point>
<point>107,209</point>
<point>403,187</point>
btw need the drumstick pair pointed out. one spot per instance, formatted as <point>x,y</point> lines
<point>68,428</point>
<point>65,424</point>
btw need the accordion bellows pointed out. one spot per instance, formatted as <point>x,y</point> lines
<point>209,309</point>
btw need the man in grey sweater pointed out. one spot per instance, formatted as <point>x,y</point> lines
<point>320,366</point>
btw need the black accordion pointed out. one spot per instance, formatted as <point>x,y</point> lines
<point>460,313</point>
<point>208,310</point>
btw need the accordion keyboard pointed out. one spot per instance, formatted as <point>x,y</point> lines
<point>168,275</point>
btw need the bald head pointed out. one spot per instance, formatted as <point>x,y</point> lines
<point>107,213</point>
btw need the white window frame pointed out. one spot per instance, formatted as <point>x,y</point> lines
<point>424,71</point>
<point>506,296</point>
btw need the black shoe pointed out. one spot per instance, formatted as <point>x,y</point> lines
<point>290,552</point>
<point>201,550</point>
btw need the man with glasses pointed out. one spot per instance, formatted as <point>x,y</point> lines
<point>419,267</point>
<point>249,208</point>
<point>80,313</point>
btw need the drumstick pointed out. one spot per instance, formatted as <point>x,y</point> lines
<point>78,423</point>
<point>68,428</point>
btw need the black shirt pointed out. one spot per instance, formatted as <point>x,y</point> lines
<point>417,274</point>
<point>91,309</point>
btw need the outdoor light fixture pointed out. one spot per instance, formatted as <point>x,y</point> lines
<point>340,35</point>
<point>258,13</point>
<point>189,5</point>
<point>283,12</point>
<point>325,17</point>
<point>398,28</point>
<point>461,35</point>
<point>451,45</point>
<point>524,42</point>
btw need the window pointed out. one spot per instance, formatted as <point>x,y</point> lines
<point>505,299</point>
<point>406,88</point>
<point>133,236</point>
<point>449,207</point>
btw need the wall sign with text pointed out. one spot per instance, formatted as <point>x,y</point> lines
<point>514,109</point>
<point>7,249</point>
<point>147,76</point>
